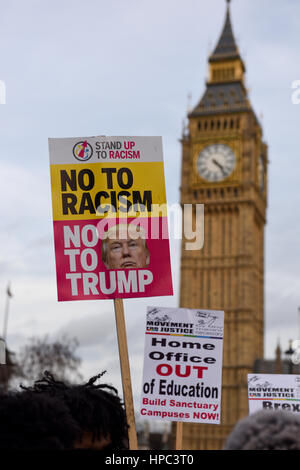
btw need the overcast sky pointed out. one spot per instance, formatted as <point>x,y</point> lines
<point>126,67</point>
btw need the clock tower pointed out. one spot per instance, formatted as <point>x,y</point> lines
<point>224,167</point>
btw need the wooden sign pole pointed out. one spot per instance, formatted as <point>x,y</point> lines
<point>179,427</point>
<point>125,372</point>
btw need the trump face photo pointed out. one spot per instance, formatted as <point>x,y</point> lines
<point>125,247</point>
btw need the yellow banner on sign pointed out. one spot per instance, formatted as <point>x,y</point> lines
<point>89,191</point>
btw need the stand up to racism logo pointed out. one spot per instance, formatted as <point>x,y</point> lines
<point>82,151</point>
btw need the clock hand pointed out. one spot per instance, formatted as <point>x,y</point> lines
<point>219,165</point>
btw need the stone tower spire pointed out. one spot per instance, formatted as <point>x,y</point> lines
<point>226,46</point>
<point>225,87</point>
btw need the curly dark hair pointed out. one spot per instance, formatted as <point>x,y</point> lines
<point>30,422</point>
<point>97,409</point>
<point>266,430</point>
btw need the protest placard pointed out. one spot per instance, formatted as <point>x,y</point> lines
<point>110,218</point>
<point>274,392</point>
<point>182,376</point>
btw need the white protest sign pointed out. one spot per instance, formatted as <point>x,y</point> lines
<point>183,365</point>
<point>274,392</point>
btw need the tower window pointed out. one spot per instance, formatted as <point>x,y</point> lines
<point>212,125</point>
<point>199,126</point>
<point>224,74</point>
<point>225,124</point>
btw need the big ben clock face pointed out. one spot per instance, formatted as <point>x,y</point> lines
<point>216,162</point>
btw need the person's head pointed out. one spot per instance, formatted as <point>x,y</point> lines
<point>125,247</point>
<point>33,422</point>
<point>97,410</point>
<point>266,430</point>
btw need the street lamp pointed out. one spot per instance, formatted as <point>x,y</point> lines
<point>289,353</point>
<point>6,311</point>
<point>2,351</point>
